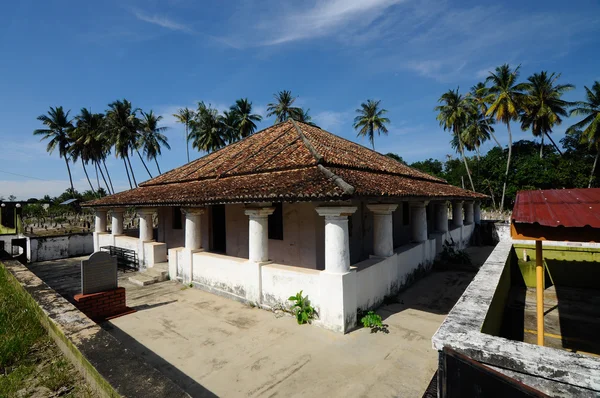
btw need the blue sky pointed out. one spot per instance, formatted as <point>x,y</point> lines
<point>162,55</point>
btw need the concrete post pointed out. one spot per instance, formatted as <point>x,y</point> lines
<point>457,217</point>
<point>100,225</point>
<point>418,221</point>
<point>193,230</point>
<point>477,213</point>
<point>337,239</point>
<point>441,217</point>
<point>146,227</point>
<point>117,221</point>
<point>258,249</point>
<point>468,212</point>
<point>383,229</point>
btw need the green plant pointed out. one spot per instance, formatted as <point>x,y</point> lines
<point>450,258</point>
<point>373,321</point>
<point>302,309</point>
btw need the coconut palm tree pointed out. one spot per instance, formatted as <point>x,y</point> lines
<point>543,106</point>
<point>79,151</point>
<point>283,108</point>
<point>151,138</point>
<point>88,133</point>
<point>245,120</point>
<point>122,125</point>
<point>590,123</point>
<point>185,116</point>
<point>453,114</point>
<point>370,119</point>
<point>506,105</point>
<point>477,130</point>
<point>480,96</point>
<point>58,131</point>
<point>208,130</point>
<point>304,116</point>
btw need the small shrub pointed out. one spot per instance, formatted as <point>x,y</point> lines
<point>373,321</point>
<point>450,258</point>
<point>302,309</point>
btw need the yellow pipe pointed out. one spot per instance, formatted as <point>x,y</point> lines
<point>539,276</point>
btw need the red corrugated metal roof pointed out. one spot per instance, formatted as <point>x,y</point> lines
<point>559,207</point>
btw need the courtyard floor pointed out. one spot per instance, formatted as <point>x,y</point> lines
<point>213,346</point>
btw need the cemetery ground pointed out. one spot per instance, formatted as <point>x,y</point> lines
<point>31,365</point>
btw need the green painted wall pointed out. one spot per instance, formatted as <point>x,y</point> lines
<point>564,266</point>
<point>495,315</point>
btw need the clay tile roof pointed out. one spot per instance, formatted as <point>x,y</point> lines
<point>290,161</point>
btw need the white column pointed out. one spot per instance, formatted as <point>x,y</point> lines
<point>193,230</point>
<point>457,216</point>
<point>468,212</point>
<point>418,221</point>
<point>146,227</point>
<point>383,229</point>
<point>100,225</point>
<point>258,249</point>
<point>337,239</point>
<point>477,213</point>
<point>117,221</point>
<point>441,217</point>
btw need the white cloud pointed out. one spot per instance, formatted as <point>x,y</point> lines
<point>331,120</point>
<point>162,21</point>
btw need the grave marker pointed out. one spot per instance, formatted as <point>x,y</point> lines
<point>98,273</point>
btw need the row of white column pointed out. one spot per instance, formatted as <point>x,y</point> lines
<point>337,241</point>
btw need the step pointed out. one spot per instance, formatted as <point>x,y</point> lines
<point>159,274</point>
<point>142,279</point>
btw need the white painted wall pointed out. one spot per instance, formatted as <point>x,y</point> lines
<point>166,233</point>
<point>279,282</point>
<point>56,247</point>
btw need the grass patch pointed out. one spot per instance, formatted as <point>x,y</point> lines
<point>30,362</point>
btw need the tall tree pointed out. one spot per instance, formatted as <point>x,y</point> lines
<point>590,124</point>
<point>506,106</point>
<point>481,97</point>
<point>478,130</point>
<point>543,106</point>
<point>370,119</point>
<point>59,128</point>
<point>245,119</point>
<point>151,137</point>
<point>283,108</point>
<point>88,133</point>
<point>185,116</point>
<point>208,131</point>
<point>304,116</point>
<point>122,125</point>
<point>452,115</point>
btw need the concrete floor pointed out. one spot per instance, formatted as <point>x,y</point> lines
<point>213,345</point>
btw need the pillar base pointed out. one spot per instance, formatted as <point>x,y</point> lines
<point>337,310</point>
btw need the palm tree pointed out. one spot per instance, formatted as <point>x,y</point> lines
<point>121,129</point>
<point>590,123</point>
<point>303,116</point>
<point>543,106</point>
<point>208,130</point>
<point>88,133</point>
<point>245,119</point>
<point>78,150</point>
<point>370,120</point>
<point>477,131</point>
<point>151,137</point>
<point>229,125</point>
<point>185,116</point>
<point>283,108</point>
<point>480,97</point>
<point>453,115</point>
<point>58,131</point>
<point>506,106</point>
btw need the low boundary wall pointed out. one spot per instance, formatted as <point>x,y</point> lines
<point>44,248</point>
<point>111,369</point>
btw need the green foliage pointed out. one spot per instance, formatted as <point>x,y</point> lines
<point>396,157</point>
<point>373,321</point>
<point>302,309</point>
<point>370,120</point>
<point>452,258</point>
<point>430,166</point>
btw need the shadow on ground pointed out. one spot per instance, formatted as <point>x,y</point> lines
<point>186,383</point>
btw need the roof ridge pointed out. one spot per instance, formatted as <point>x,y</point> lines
<point>337,180</point>
<point>307,143</point>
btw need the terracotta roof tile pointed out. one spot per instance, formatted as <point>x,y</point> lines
<point>288,161</point>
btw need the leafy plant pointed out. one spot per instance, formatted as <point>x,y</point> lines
<point>302,309</point>
<point>373,321</point>
<point>450,258</point>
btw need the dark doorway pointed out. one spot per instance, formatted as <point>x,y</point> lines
<point>19,249</point>
<point>219,234</point>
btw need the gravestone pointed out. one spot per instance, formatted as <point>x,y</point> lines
<point>98,273</point>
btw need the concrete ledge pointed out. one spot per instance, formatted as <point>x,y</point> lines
<point>111,369</point>
<point>554,372</point>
